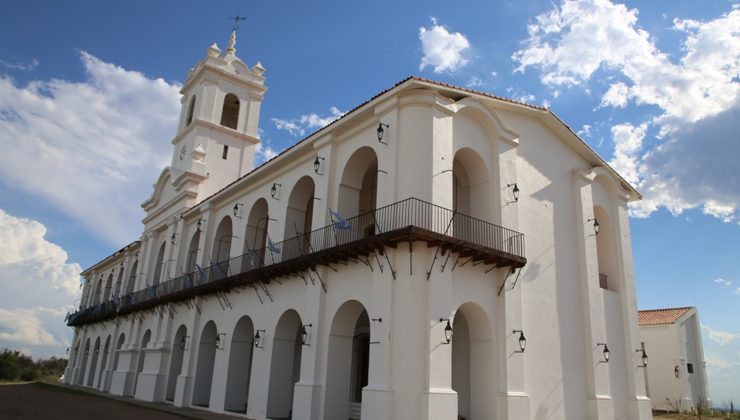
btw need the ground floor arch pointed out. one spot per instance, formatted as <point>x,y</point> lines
<point>176,358</point>
<point>93,363</point>
<point>473,363</point>
<point>285,368</point>
<point>83,365</point>
<point>103,363</point>
<point>204,366</point>
<point>349,357</point>
<point>240,366</point>
<point>142,356</point>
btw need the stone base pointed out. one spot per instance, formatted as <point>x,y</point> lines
<point>441,404</point>
<point>306,401</point>
<point>122,383</point>
<point>183,391</point>
<point>600,407</point>
<point>514,406</point>
<point>377,402</point>
<point>641,408</point>
<point>150,387</point>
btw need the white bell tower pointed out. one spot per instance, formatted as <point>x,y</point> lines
<point>218,128</point>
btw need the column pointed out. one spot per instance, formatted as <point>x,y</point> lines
<point>599,401</point>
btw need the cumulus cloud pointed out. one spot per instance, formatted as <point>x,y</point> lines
<point>720,337</point>
<point>723,282</point>
<point>475,82</point>
<point>37,287</point>
<point>91,148</point>
<point>696,96</point>
<point>442,50</point>
<point>19,65</point>
<point>298,127</point>
<point>627,145</point>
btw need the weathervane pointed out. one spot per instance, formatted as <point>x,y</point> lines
<point>236,20</point>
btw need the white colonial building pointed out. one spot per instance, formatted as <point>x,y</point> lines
<point>676,376</point>
<point>436,253</point>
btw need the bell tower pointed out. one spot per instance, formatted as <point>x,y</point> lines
<point>218,129</point>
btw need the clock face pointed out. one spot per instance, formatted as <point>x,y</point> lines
<point>183,151</point>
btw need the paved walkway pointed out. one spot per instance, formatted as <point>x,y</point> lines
<point>41,400</point>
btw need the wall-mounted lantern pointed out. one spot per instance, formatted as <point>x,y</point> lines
<point>644,358</point>
<point>380,131</point>
<point>199,225</point>
<point>676,371</point>
<point>304,334</point>
<point>220,340</point>
<point>596,225</point>
<point>522,341</point>
<point>514,191</point>
<point>275,190</point>
<point>183,342</point>
<point>317,164</point>
<point>236,208</point>
<point>258,343</point>
<point>605,352</point>
<point>173,237</point>
<point>448,330</point>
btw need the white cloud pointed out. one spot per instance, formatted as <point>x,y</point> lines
<point>616,96</point>
<point>442,50</point>
<point>37,287</point>
<point>263,153</point>
<point>627,144</point>
<point>585,131</point>
<point>720,337</point>
<point>19,65</point>
<point>92,148</point>
<point>307,123</point>
<point>697,97</point>
<point>737,291</point>
<point>723,282</point>
<point>475,82</point>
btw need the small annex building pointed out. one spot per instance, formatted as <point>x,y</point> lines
<point>435,253</point>
<point>676,376</point>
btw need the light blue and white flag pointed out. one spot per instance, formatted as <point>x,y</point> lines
<point>339,222</point>
<point>272,247</point>
<point>201,273</point>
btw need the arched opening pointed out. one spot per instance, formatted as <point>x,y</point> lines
<point>132,278</point>
<point>358,188</point>
<point>298,218</point>
<point>230,111</point>
<point>255,235</point>
<point>240,366</point>
<point>204,365</point>
<point>98,295</point>
<point>349,352</point>
<point>159,266</point>
<point>605,250</point>
<point>142,356</point>
<point>119,345</point>
<point>178,352</point>
<point>192,258</point>
<point>119,283</point>
<point>191,110</point>
<point>108,288</point>
<point>83,366</point>
<point>103,362</point>
<point>222,249</point>
<point>473,375</point>
<point>285,368</point>
<point>94,363</point>
<point>470,193</point>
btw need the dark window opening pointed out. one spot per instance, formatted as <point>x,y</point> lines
<point>225,154</point>
<point>191,109</point>
<point>230,111</point>
<point>360,364</point>
<point>690,367</point>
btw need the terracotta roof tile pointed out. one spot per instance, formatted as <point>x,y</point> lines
<point>661,316</point>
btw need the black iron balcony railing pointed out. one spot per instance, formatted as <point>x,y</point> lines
<point>408,220</point>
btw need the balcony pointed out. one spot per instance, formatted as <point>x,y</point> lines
<point>364,235</point>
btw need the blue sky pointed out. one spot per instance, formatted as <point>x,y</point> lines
<point>89,102</point>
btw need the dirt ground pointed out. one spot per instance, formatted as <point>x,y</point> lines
<point>43,401</point>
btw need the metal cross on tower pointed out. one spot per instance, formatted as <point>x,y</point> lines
<point>236,20</point>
